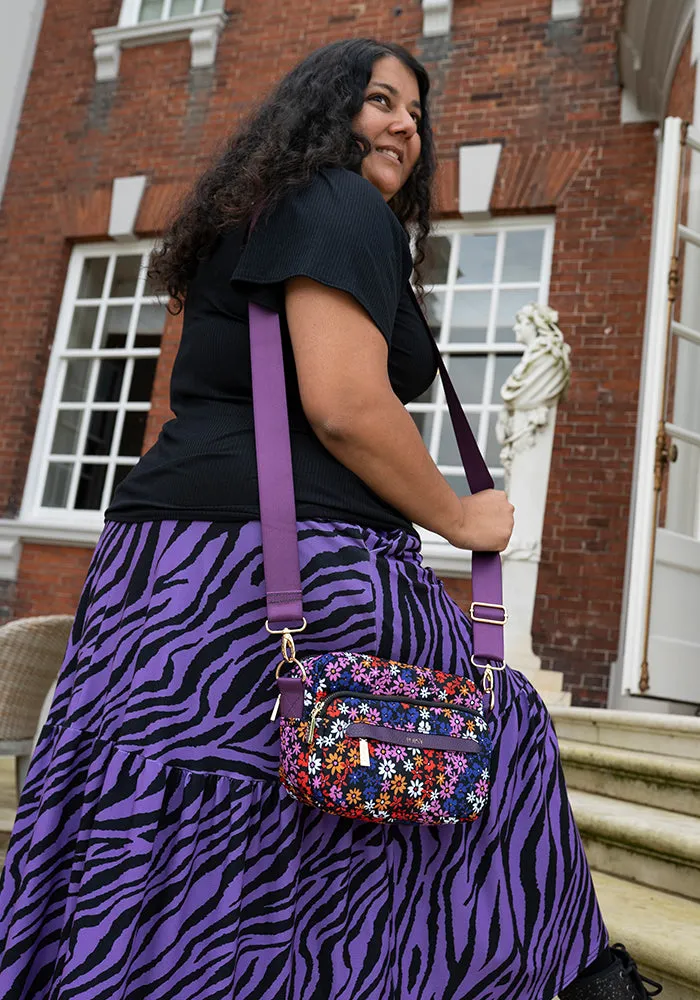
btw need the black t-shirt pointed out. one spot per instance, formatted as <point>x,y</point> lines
<point>339,231</point>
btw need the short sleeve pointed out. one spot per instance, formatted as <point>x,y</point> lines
<point>338,231</point>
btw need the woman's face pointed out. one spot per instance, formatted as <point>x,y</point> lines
<point>389,119</point>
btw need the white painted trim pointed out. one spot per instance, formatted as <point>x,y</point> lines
<point>651,42</point>
<point>566,10</point>
<point>14,532</point>
<point>478,166</point>
<point>437,18</point>
<point>630,112</point>
<point>437,552</point>
<point>21,26</point>
<point>52,534</point>
<point>31,511</point>
<point>650,408</point>
<point>9,557</point>
<point>203,31</point>
<point>127,193</point>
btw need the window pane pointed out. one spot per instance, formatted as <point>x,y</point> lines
<point>509,303</point>
<point>467,372</point>
<point>109,380</point>
<point>75,385</point>
<point>90,485</point>
<point>437,259</point>
<point>523,256</point>
<point>435,310</point>
<point>151,10</point>
<point>505,363</point>
<point>150,324</point>
<point>126,273</point>
<point>120,474</point>
<point>57,484</point>
<point>116,327</point>
<point>470,317</point>
<point>212,5</point>
<point>93,277</point>
<point>150,287</point>
<point>83,326</point>
<point>65,438</point>
<point>448,452</point>
<point>100,431</point>
<point>133,433</point>
<point>459,484</point>
<point>180,7</point>
<point>142,380</point>
<point>424,423</point>
<point>493,448</point>
<point>477,256</point>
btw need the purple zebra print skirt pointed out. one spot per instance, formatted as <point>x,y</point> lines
<point>156,855</point>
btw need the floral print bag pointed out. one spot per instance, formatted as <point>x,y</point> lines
<point>376,740</point>
<point>363,737</point>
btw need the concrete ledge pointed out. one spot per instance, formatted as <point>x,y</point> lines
<point>7,819</point>
<point>654,831</point>
<point>659,930</point>
<point>670,783</point>
<point>671,735</point>
<point>650,846</point>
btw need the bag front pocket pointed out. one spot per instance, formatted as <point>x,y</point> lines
<point>421,741</point>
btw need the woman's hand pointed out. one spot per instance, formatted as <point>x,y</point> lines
<point>487,522</point>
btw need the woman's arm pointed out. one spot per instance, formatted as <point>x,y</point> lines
<point>341,361</point>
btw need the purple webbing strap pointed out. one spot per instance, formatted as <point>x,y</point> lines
<point>276,489</point>
<point>487,582</point>
<point>275,480</point>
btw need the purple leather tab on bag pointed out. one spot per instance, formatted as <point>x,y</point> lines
<point>292,700</point>
<point>421,741</point>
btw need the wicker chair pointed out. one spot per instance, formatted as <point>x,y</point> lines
<point>31,652</point>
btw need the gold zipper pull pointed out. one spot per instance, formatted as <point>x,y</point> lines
<point>364,753</point>
<point>276,709</point>
<point>312,721</point>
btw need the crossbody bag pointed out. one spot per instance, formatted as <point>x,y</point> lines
<point>360,736</point>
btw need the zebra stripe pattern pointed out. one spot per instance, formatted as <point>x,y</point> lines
<point>156,855</point>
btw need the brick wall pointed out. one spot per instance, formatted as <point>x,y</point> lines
<point>549,91</point>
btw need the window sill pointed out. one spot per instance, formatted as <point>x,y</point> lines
<point>15,531</point>
<point>203,31</point>
<point>444,558</point>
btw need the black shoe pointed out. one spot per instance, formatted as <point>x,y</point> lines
<point>620,981</point>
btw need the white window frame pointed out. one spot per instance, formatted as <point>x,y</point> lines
<point>32,512</point>
<point>437,552</point>
<point>202,29</point>
<point>130,10</point>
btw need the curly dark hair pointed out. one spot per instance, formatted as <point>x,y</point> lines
<point>303,125</point>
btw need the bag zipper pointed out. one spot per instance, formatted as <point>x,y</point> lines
<point>424,703</point>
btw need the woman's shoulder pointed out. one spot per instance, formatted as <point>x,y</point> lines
<point>336,193</point>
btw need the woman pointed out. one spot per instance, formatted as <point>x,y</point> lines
<point>155,853</point>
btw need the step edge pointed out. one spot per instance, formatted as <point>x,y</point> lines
<point>669,959</point>
<point>670,845</point>
<point>685,725</point>
<point>680,770</point>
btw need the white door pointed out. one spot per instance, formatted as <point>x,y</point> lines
<point>661,645</point>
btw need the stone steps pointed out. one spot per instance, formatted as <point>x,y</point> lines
<point>634,786</point>
<point>661,931</point>
<point>650,846</point>
<point>665,782</point>
<point>652,733</point>
<point>549,685</point>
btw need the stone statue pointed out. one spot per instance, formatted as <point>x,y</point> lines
<point>536,383</point>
